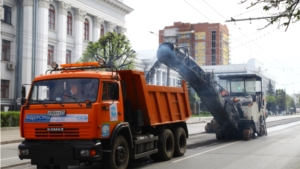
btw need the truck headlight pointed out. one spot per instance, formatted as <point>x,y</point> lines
<point>84,152</point>
<point>24,152</point>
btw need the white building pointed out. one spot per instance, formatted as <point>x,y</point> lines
<point>253,66</point>
<point>34,33</point>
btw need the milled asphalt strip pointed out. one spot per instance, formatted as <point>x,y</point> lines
<point>205,152</point>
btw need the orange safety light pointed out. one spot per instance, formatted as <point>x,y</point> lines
<point>84,64</point>
<point>92,152</point>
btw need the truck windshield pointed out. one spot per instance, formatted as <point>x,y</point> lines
<point>64,91</point>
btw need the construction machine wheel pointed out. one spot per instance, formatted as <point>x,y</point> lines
<point>262,128</point>
<point>180,142</point>
<point>166,146</point>
<point>219,134</point>
<point>248,134</point>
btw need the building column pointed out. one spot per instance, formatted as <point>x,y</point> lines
<point>42,38</point>
<point>110,26</point>
<point>27,42</point>
<point>79,17</point>
<point>1,18</point>
<point>123,30</point>
<point>97,27</point>
<point>62,32</point>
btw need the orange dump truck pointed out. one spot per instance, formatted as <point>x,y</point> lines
<point>78,114</point>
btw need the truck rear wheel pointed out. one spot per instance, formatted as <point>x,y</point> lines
<point>166,146</point>
<point>119,156</point>
<point>180,142</point>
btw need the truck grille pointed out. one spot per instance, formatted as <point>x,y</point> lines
<point>68,132</point>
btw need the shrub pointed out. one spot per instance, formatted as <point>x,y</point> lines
<point>9,119</point>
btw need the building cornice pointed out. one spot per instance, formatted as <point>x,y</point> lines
<point>118,5</point>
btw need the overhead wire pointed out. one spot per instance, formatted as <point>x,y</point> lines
<point>244,35</point>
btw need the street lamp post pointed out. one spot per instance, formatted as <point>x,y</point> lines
<point>199,108</point>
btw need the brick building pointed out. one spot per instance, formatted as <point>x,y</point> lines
<point>206,42</point>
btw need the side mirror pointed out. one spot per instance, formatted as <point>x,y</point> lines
<point>115,91</point>
<point>23,93</point>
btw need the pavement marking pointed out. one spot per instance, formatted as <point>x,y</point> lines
<point>9,158</point>
<point>205,152</point>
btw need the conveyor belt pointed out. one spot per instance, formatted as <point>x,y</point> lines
<point>222,109</point>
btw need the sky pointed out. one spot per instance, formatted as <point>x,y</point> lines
<point>275,47</point>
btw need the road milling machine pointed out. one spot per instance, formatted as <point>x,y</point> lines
<point>238,105</point>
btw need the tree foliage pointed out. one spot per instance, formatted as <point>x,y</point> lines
<point>270,90</point>
<point>288,11</point>
<point>114,48</point>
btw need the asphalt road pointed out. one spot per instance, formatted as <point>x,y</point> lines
<point>280,149</point>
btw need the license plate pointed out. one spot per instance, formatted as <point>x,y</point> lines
<point>56,113</point>
<point>55,129</point>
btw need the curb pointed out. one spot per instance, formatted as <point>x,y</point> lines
<point>9,128</point>
<point>15,165</point>
<point>12,141</point>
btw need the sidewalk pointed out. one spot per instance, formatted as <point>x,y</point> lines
<point>12,134</point>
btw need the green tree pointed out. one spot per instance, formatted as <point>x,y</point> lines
<point>280,100</point>
<point>293,106</point>
<point>114,48</point>
<point>270,89</point>
<point>287,11</point>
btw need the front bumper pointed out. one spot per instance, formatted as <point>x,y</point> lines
<point>59,152</point>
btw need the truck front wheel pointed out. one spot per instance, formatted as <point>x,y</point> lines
<point>119,156</point>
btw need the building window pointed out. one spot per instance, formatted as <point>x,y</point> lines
<point>68,56</point>
<point>69,23</point>
<point>51,18</point>
<point>5,50</point>
<point>86,29</point>
<point>4,88</point>
<point>50,54</point>
<point>213,35</point>
<point>213,56</point>
<point>7,14</point>
<point>102,30</point>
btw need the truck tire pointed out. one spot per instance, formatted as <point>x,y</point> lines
<point>166,146</point>
<point>180,142</point>
<point>119,156</point>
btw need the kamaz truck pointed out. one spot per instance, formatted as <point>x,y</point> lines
<point>88,112</point>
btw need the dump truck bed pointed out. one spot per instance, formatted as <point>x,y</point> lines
<point>159,104</point>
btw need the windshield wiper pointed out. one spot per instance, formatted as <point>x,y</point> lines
<point>73,98</point>
<point>57,102</point>
<point>42,103</point>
